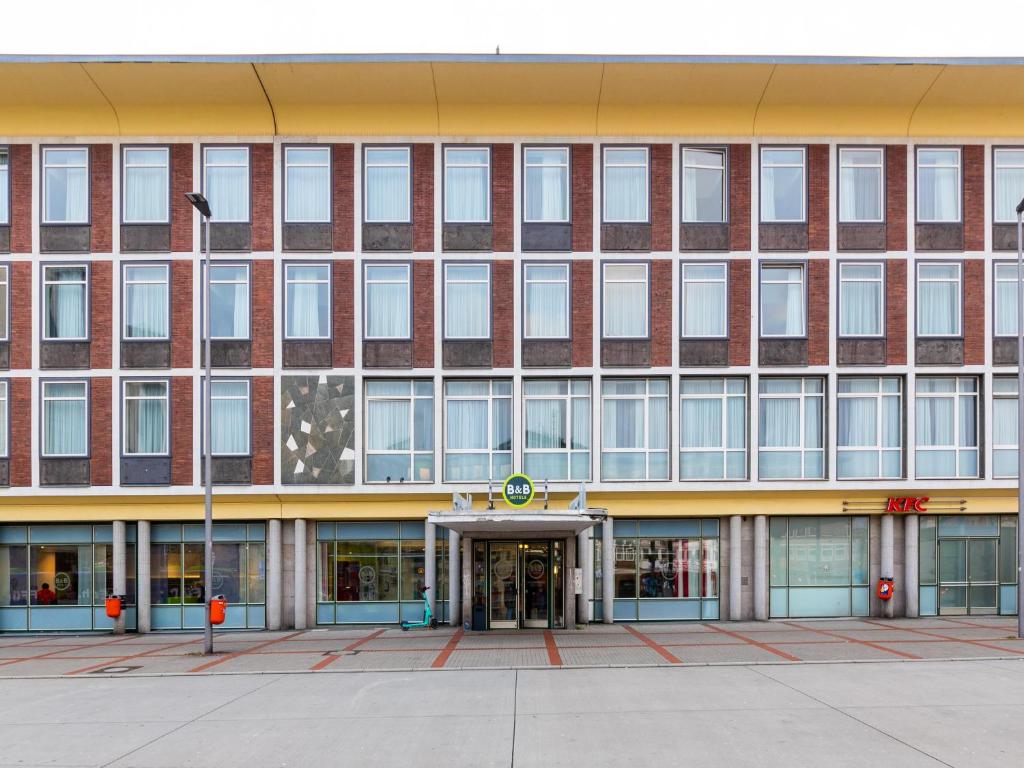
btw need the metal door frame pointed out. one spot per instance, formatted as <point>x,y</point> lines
<point>520,547</point>
<point>967,583</point>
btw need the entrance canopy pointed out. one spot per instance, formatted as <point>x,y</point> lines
<point>492,521</point>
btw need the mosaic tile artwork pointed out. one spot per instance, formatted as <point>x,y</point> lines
<point>318,430</point>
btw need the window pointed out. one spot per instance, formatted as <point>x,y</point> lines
<point>556,416</point>
<point>1006,300</point>
<point>307,301</point>
<point>860,185</point>
<point>65,185</point>
<point>947,426</point>
<point>1004,426</point>
<point>704,301</point>
<point>624,306</point>
<point>704,185</point>
<point>5,302</point>
<point>938,185</point>
<point>399,431</point>
<point>478,430</point>
<point>870,428</point>
<point>5,419</point>
<point>634,435</point>
<point>65,422</point>
<point>783,184</point>
<point>5,186</point>
<point>467,185</point>
<point>713,429</point>
<point>387,183</point>
<point>387,301</point>
<point>146,185</point>
<point>307,184</point>
<point>546,184</point>
<point>626,185</point>
<point>467,301</point>
<point>861,303</point>
<point>938,299</point>
<point>546,300</point>
<point>226,182</point>
<point>792,429</point>
<point>1009,184</point>
<point>145,418</point>
<point>782,300</point>
<point>65,302</point>
<point>146,306</point>
<point>229,301</point>
<point>229,417</point>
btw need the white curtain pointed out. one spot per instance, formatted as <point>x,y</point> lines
<point>545,424</point>
<point>623,423</point>
<point>66,311</point>
<point>546,194</point>
<point>781,193</point>
<point>465,195</point>
<point>1009,192</point>
<point>547,316</point>
<point>67,195</point>
<point>860,194</point>
<point>703,309</point>
<point>940,302</point>
<point>4,198</point>
<point>145,418</point>
<point>387,194</point>
<point>703,194</point>
<point>937,194</point>
<point>467,424</point>
<point>1006,307</point>
<point>65,420</point>
<point>227,189</point>
<point>935,421</point>
<point>780,423</point>
<point>309,193</point>
<point>1004,421</point>
<point>146,311</point>
<point>145,197</point>
<point>625,195</point>
<point>466,307</point>
<point>857,422</point>
<point>860,306</point>
<point>229,418</point>
<point>307,311</point>
<point>229,310</point>
<point>581,423</point>
<point>702,423</point>
<point>782,308</point>
<point>387,310</point>
<point>388,425</point>
<point>625,309</point>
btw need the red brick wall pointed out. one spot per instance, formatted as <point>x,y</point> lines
<point>343,206</point>
<point>101,169</point>
<point>582,199</point>
<point>896,199</point>
<point>896,310</point>
<point>181,435</point>
<point>423,314</point>
<point>342,286</point>
<point>21,198</point>
<point>502,314</point>
<point>739,308</point>
<point>974,312</point>
<point>817,315</point>
<point>181,209</point>
<point>817,212</point>
<point>263,315</point>
<point>582,313</point>
<point>502,197</point>
<point>661,197</point>
<point>101,312</point>
<point>739,199</point>
<point>661,312</point>
<point>21,315</point>
<point>423,197</point>
<point>181,314</point>
<point>20,411</point>
<point>974,198</point>
<point>263,412</point>
<point>263,197</point>
<point>100,431</point>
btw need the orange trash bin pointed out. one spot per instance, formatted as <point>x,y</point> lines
<point>115,604</point>
<point>218,609</point>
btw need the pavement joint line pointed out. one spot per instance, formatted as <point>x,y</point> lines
<point>63,649</point>
<point>662,651</point>
<point>323,663</point>
<point>757,643</point>
<point>449,649</point>
<point>951,639</point>
<point>847,638</point>
<point>114,661</point>
<point>554,658</point>
<point>236,654</point>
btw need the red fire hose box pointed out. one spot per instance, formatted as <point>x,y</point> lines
<point>218,609</point>
<point>115,604</point>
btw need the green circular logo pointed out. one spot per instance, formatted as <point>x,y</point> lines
<point>517,490</point>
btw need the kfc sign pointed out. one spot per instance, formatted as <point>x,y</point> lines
<point>907,504</point>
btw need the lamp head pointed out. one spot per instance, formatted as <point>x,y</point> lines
<point>200,203</point>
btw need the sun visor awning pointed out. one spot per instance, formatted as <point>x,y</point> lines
<point>492,521</point>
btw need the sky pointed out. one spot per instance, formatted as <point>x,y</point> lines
<point>906,28</point>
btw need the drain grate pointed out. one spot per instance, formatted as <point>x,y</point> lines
<point>114,670</point>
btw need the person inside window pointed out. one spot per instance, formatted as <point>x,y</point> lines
<point>45,595</point>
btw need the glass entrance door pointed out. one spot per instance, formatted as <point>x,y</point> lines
<point>968,576</point>
<point>536,568</point>
<point>503,574</point>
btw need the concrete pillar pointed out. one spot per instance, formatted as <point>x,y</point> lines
<point>569,582</point>
<point>735,568</point>
<point>760,568</point>
<point>467,581</point>
<point>454,578</point>
<point>910,563</point>
<point>887,558</point>
<point>608,571</point>
<point>585,562</point>
<point>300,574</point>
<point>274,566</point>
<point>143,614</point>
<point>430,565</point>
<point>120,568</point>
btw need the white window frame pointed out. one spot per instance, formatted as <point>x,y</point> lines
<point>125,397</point>
<point>166,283</point>
<point>997,268</point>
<point>684,281</point>
<point>723,448</point>
<point>412,453</point>
<point>126,165</point>
<point>880,165</point>
<point>248,187</point>
<point>604,297</point>
<point>529,281</point>
<point>1016,154</point>
<point>647,450</point>
<point>959,306</point>
<point>5,184</point>
<point>5,410</point>
<point>803,396</point>
<point>491,451</point>
<point>487,282</point>
<point>881,295</point>
<point>802,165</point>
<point>606,151</point>
<point>464,164</point>
<point>407,282</point>
<point>959,184</point>
<point>955,446</point>
<point>770,266</point>
<point>88,181</point>
<point>325,148</point>
<point>85,282</point>
<point>879,396</point>
<point>248,413</point>
<point>568,398</point>
<point>42,417</point>
<point>5,291</point>
<point>248,295</point>
<point>686,163</point>
<point>407,165</point>
<point>1001,394</point>
<point>568,181</point>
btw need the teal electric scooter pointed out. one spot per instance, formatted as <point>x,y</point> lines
<point>429,620</point>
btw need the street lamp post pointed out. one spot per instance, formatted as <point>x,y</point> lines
<point>202,205</point>
<point>1020,415</point>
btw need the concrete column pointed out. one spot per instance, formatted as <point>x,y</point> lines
<point>274,566</point>
<point>608,571</point>
<point>585,562</point>
<point>120,564</point>
<point>760,568</point>
<point>735,567</point>
<point>910,563</point>
<point>454,578</point>
<point>467,581</point>
<point>143,614</point>
<point>430,565</point>
<point>887,559</point>
<point>568,582</point>
<point>300,574</point>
